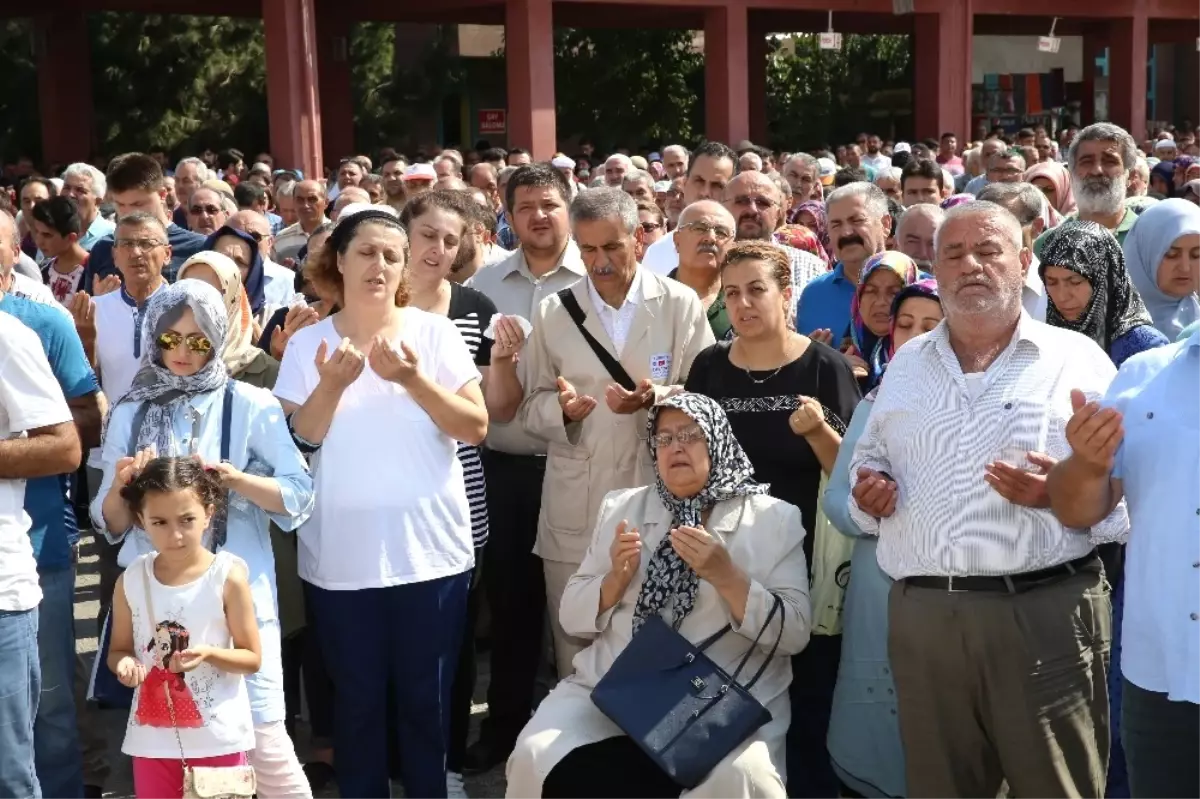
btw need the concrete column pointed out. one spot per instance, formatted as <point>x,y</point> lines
<point>726,74</point>
<point>942,70</point>
<point>529,60</point>
<point>333,75</point>
<point>1128,54</point>
<point>293,98</point>
<point>64,74</point>
<point>1092,47</point>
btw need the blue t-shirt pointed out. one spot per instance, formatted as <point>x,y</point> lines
<point>48,499</point>
<point>825,305</point>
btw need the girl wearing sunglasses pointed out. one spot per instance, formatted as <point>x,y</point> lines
<point>184,403</point>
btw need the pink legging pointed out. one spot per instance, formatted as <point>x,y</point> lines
<point>162,777</point>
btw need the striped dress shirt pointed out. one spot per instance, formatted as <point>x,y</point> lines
<point>934,433</point>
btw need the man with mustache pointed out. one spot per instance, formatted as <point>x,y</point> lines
<point>999,617</point>
<point>757,204</point>
<point>652,328</point>
<point>1100,159</point>
<point>709,170</point>
<point>859,226</point>
<point>704,234</point>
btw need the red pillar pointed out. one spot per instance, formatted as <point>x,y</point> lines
<point>333,76</point>
<point>293,100</point>
<point>1092,47</point>
<point>942,72</point>
<point>529,60</point>
<point>726,74</point>
<point>1128,55</point>
<point>64,74</point>
<point>757,59</point>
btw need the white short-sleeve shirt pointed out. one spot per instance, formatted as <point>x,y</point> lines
<point>391,504</point>
<point>30,398</point>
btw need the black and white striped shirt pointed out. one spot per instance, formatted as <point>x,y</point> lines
<point>934,429</point>
<point>471,312</point>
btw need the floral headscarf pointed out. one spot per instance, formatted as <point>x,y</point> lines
<point>821,223</point>
<point>1154,232</point>
<point>1056,173</point>
<point>239,350</point>
<point>926,287</point>
<point>155,384</point>
<point>800,237</point>
<point>670,583</point>
<point>956,199</point>
<point>1089,250</point>
<point>871,348</point>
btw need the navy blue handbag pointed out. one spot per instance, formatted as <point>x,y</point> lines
<point>682,709</point>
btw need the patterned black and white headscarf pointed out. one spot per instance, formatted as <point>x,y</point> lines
<point>670,583</point>
<point>1088,249</point>
<point>155,384</point>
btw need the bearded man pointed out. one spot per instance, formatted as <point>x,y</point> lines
<point>1100,159</point>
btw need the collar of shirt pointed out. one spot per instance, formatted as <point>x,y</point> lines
<point>1033,280</point>
<point>633,297</point>
<point>570,260</point>
<point>1028,330</point>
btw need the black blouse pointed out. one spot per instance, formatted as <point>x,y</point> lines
<point>758,405</point>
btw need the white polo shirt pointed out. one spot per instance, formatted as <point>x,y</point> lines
<point>30,398</point>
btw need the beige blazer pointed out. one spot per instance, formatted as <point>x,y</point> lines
<point>605,451</point>
<point>765,539</point>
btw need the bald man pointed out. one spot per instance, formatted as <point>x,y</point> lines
<point>310,202</point>
<point>758,207</point>
<point>349,195</point>
<point>705,231</point>
<point>914,233</point>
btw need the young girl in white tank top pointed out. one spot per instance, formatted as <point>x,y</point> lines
<point>183,630</point>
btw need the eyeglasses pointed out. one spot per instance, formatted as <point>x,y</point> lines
<point>138,244</point>
<point>195,342</point>
<point>719,232</point>
<point>754,199</point>
<point>650,227</point>
<point>688,435</point>
<point>211,210</point>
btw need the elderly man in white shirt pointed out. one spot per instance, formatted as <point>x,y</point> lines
<point>1000,619</point>
<point>601,352</point>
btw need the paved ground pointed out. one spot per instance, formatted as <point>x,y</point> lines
<point>120,784</point>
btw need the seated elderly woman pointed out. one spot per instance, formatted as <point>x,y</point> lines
<point>718,550</point>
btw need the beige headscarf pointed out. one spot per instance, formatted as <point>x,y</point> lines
<point>239,350</point>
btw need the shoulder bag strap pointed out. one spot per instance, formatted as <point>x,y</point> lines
<point>614,368</point>
<point>146,577</point>
<point>139,416</point>
<point>220,524</point>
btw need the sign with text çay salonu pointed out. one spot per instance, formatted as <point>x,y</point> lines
<point>492,120</point>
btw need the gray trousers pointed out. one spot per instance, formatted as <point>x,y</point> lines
<point>998,686</point>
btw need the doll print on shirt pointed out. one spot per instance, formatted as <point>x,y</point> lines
<point>189,691</point>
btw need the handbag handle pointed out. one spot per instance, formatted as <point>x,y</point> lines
<point>776,606</point>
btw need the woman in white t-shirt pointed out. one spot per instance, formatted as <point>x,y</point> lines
<point>380,393</point>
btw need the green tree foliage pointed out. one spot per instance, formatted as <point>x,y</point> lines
<point>20,131</point>
<point>819,96</point>
<point>626,88</point>
<point>179,83</point>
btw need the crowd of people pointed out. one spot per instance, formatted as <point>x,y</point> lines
<point>867,430</point>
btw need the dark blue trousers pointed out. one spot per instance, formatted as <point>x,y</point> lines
<point>404,641</point>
